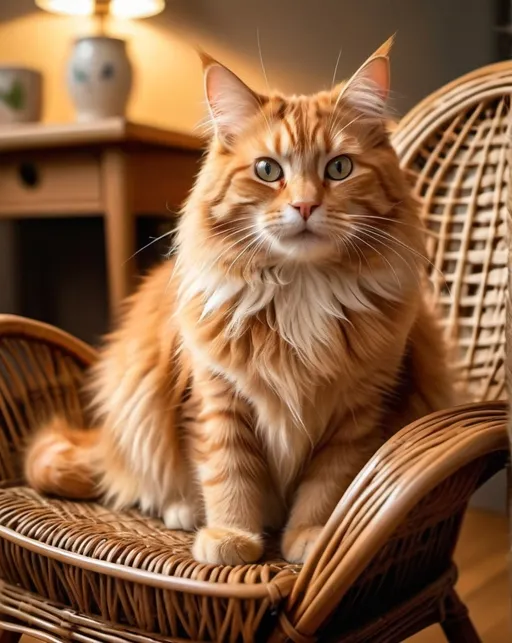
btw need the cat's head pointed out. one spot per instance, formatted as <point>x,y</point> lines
<point>300,178</point>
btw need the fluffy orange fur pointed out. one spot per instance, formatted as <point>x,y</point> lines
<point>254,374</point>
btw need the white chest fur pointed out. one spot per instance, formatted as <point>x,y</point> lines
<point>304,297</point>
<point>303,305</point>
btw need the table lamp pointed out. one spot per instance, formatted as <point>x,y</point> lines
<point>99,73</point>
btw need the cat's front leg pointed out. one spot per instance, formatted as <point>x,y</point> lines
<point>331,470</point>
<point>231,472</point>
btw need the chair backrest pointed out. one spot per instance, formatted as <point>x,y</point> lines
<point>454,147</point>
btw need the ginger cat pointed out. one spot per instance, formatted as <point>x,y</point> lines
<point>254,374</point>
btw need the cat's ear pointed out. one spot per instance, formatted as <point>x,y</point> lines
<point>231,102</point>
<point>368,89</point>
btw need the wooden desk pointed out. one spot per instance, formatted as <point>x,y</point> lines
<point>112,168</point>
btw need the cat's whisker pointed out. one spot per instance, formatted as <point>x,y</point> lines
<point>162,236</point>
<point>420,256</point>
<point>334,108</point>
<point>420,227</point>
<point>392,268</point>
<point>254,253</point>
<point>228,235</point>
<point>260,54</point>
<point>345,237</point>
<point>350,231</point>
<point>342,247</point>
<point>243,251</point>
<point>390,237</point>
<point>379,240</point>
<point>333,82</point>
<point>360,254</point>
<point>353,227</point>
<point>235,243</point>
<point>220,227</point>
<point>224,232</point>
<point>332,124</point>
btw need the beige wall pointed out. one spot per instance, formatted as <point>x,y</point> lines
<point>167,89</point>
<point>436,41</point>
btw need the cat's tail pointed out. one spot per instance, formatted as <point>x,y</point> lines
<point>60,460</point>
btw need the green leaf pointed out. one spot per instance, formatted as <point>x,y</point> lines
<point>15,97</point>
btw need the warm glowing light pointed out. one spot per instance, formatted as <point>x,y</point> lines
<point>68,7</point>
<point>117,8</point>
<point>136,8</point>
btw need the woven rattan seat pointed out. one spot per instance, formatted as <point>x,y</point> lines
<point>382,569</point>
<point>128,538</point>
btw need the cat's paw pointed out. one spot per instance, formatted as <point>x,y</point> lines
<point>297,543</point>
<point>179,515</point>
<point>227,546</point>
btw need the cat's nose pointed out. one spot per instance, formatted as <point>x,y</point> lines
<point>306,208</point>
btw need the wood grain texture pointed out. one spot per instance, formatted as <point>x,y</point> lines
<point>484,579</point>
<point>119,224</point>
<point>48,183</point>
<point>28,136</point>
<point>111,167</point>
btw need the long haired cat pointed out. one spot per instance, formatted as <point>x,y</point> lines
<point>254,374</point>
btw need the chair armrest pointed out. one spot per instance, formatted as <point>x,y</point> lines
<point>409,466</point>
<point>41,371</point>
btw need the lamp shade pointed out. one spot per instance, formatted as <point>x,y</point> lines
<point>116,8</point>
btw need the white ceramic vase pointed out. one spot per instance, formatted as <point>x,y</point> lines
<point>20,95</point>
<point>99,77</point>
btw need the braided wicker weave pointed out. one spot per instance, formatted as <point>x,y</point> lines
<point>382,569</point>
<point>454,146</point>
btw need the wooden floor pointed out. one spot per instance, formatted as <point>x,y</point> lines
<point>484,579</point>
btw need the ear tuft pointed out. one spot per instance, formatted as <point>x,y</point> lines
<point>368,89</point>
<point>206,59</point>
<point>385,49</point>
<point>231,102</point>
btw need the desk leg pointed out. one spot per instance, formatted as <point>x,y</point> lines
<point>119,226</point>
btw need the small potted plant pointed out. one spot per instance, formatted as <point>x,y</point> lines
<point>20,94</point>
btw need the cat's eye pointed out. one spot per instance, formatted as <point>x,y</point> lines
<point>268,170</point>
<point>338,168</point>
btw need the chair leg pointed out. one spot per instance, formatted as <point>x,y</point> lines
<point>457,625</point>
<point>9,637</point>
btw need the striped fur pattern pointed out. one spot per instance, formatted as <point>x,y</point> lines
<point>255,373</point>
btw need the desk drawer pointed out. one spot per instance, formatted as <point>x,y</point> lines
<point>50,183</point>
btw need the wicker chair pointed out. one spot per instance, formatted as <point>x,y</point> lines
<point>383,567</point>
